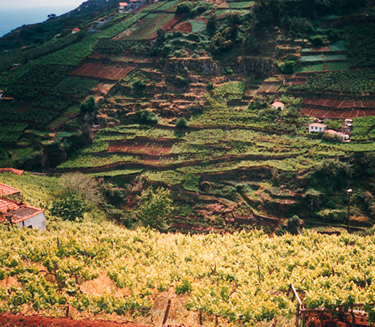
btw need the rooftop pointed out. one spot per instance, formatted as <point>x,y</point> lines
<point>318,125</point>
<point>8,190</point>
<point>331,131</point>
<point>19,212</point>
<point>7,206</point>
<point>278,104</point>
<point>12,170</point>
<point>123,4</point>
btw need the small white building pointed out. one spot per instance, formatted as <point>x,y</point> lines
<point>14,211</point>
<point>348,122</point>
<point>343,136</point>
<point>278,105</point>
<point>317,128</point>
<point>123,6</point>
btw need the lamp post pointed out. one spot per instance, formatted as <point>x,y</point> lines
<point>349,193</point>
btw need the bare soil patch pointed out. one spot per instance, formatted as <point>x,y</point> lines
<point>149,148</point>
<point>10,320</point>
<point>184,27</point>
<point>102,71</point>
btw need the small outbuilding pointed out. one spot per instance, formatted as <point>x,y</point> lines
<point>348,122</point>
<point>317,128</point>
<point>15,212</point>
<point>76,30</point>
<point>278,105</point>
<point>122,7</point>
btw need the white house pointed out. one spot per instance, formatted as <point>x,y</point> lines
<point>317,128</point>
<point>278,105</point>
<point>123,6</point>
<point>14,211</point>
<point>343,136</point>
<point>348,122</point>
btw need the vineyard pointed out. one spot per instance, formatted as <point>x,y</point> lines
<point>239,278</point>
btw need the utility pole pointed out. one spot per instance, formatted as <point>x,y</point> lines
<point>349,193</point>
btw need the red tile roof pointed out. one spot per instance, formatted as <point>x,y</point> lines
<point>76,30</point>
<point>123,4</point>
<point>7,205</point>
<point>12,170</point>
<point>7,190</point>
<point>20,212</point>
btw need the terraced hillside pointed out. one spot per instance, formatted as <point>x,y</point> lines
<point>183,98</point>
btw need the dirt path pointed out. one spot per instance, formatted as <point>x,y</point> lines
<point>9,320</point>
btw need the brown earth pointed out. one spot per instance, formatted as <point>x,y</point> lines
<point>167,26</point>
<point>184,27</point>
<point>102,71</point>
<point>10,320</point>
<point>151,149</point>
<point>322,113</point>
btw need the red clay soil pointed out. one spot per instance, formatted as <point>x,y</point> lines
<point>102,71</point>
<point>344,320</point>
<point>200,19</point>
<point>332,103</point>
<point>9,320</point>
<point>184,27</point>
<point>167,26</point>
<point>321,113</point>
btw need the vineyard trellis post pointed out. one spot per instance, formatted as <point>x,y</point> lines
<point>166,312</point>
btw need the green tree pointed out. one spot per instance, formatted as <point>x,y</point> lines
<point>160,36</point>
<point>182,123</point>
<point>139,85</point>
<point>184,8</point>
<point>155,208</point>
<point>81,186</point>
<point>146,117</point>
<point>71,208</point>
<point>89,105</point>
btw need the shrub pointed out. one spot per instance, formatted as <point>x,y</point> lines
<point>210,86</point>
<point>317,40</point>
<point>89,105</point>
<point>333,214</point>
<point>184,7</point>
<point>184,287</point>
<point>287,67</point>
<point>139,85</point>
<point>180,53</point>
<point>228,70</point>
<point>70,208</point>
<point>294,224</point>
<point>183,81</point>
<point>182,123</point>
<point>146,117</point>
<point>155,207</point>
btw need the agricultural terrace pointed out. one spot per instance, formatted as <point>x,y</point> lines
<point>183,96</point>
<point>240,278</point>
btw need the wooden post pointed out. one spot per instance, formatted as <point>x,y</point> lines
<point>297,315</point>
<point>349,192</point>
<point>200,318</point>
<point>167,312</point>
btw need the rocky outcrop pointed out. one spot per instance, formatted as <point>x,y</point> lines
<point>206,66</point>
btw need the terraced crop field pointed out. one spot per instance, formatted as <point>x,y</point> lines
<point>101,71</point>
<point>149,25</point>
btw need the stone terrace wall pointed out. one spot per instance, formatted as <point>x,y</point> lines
<point>206,66</point>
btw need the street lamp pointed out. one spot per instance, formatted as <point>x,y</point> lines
<point>349,193</point>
